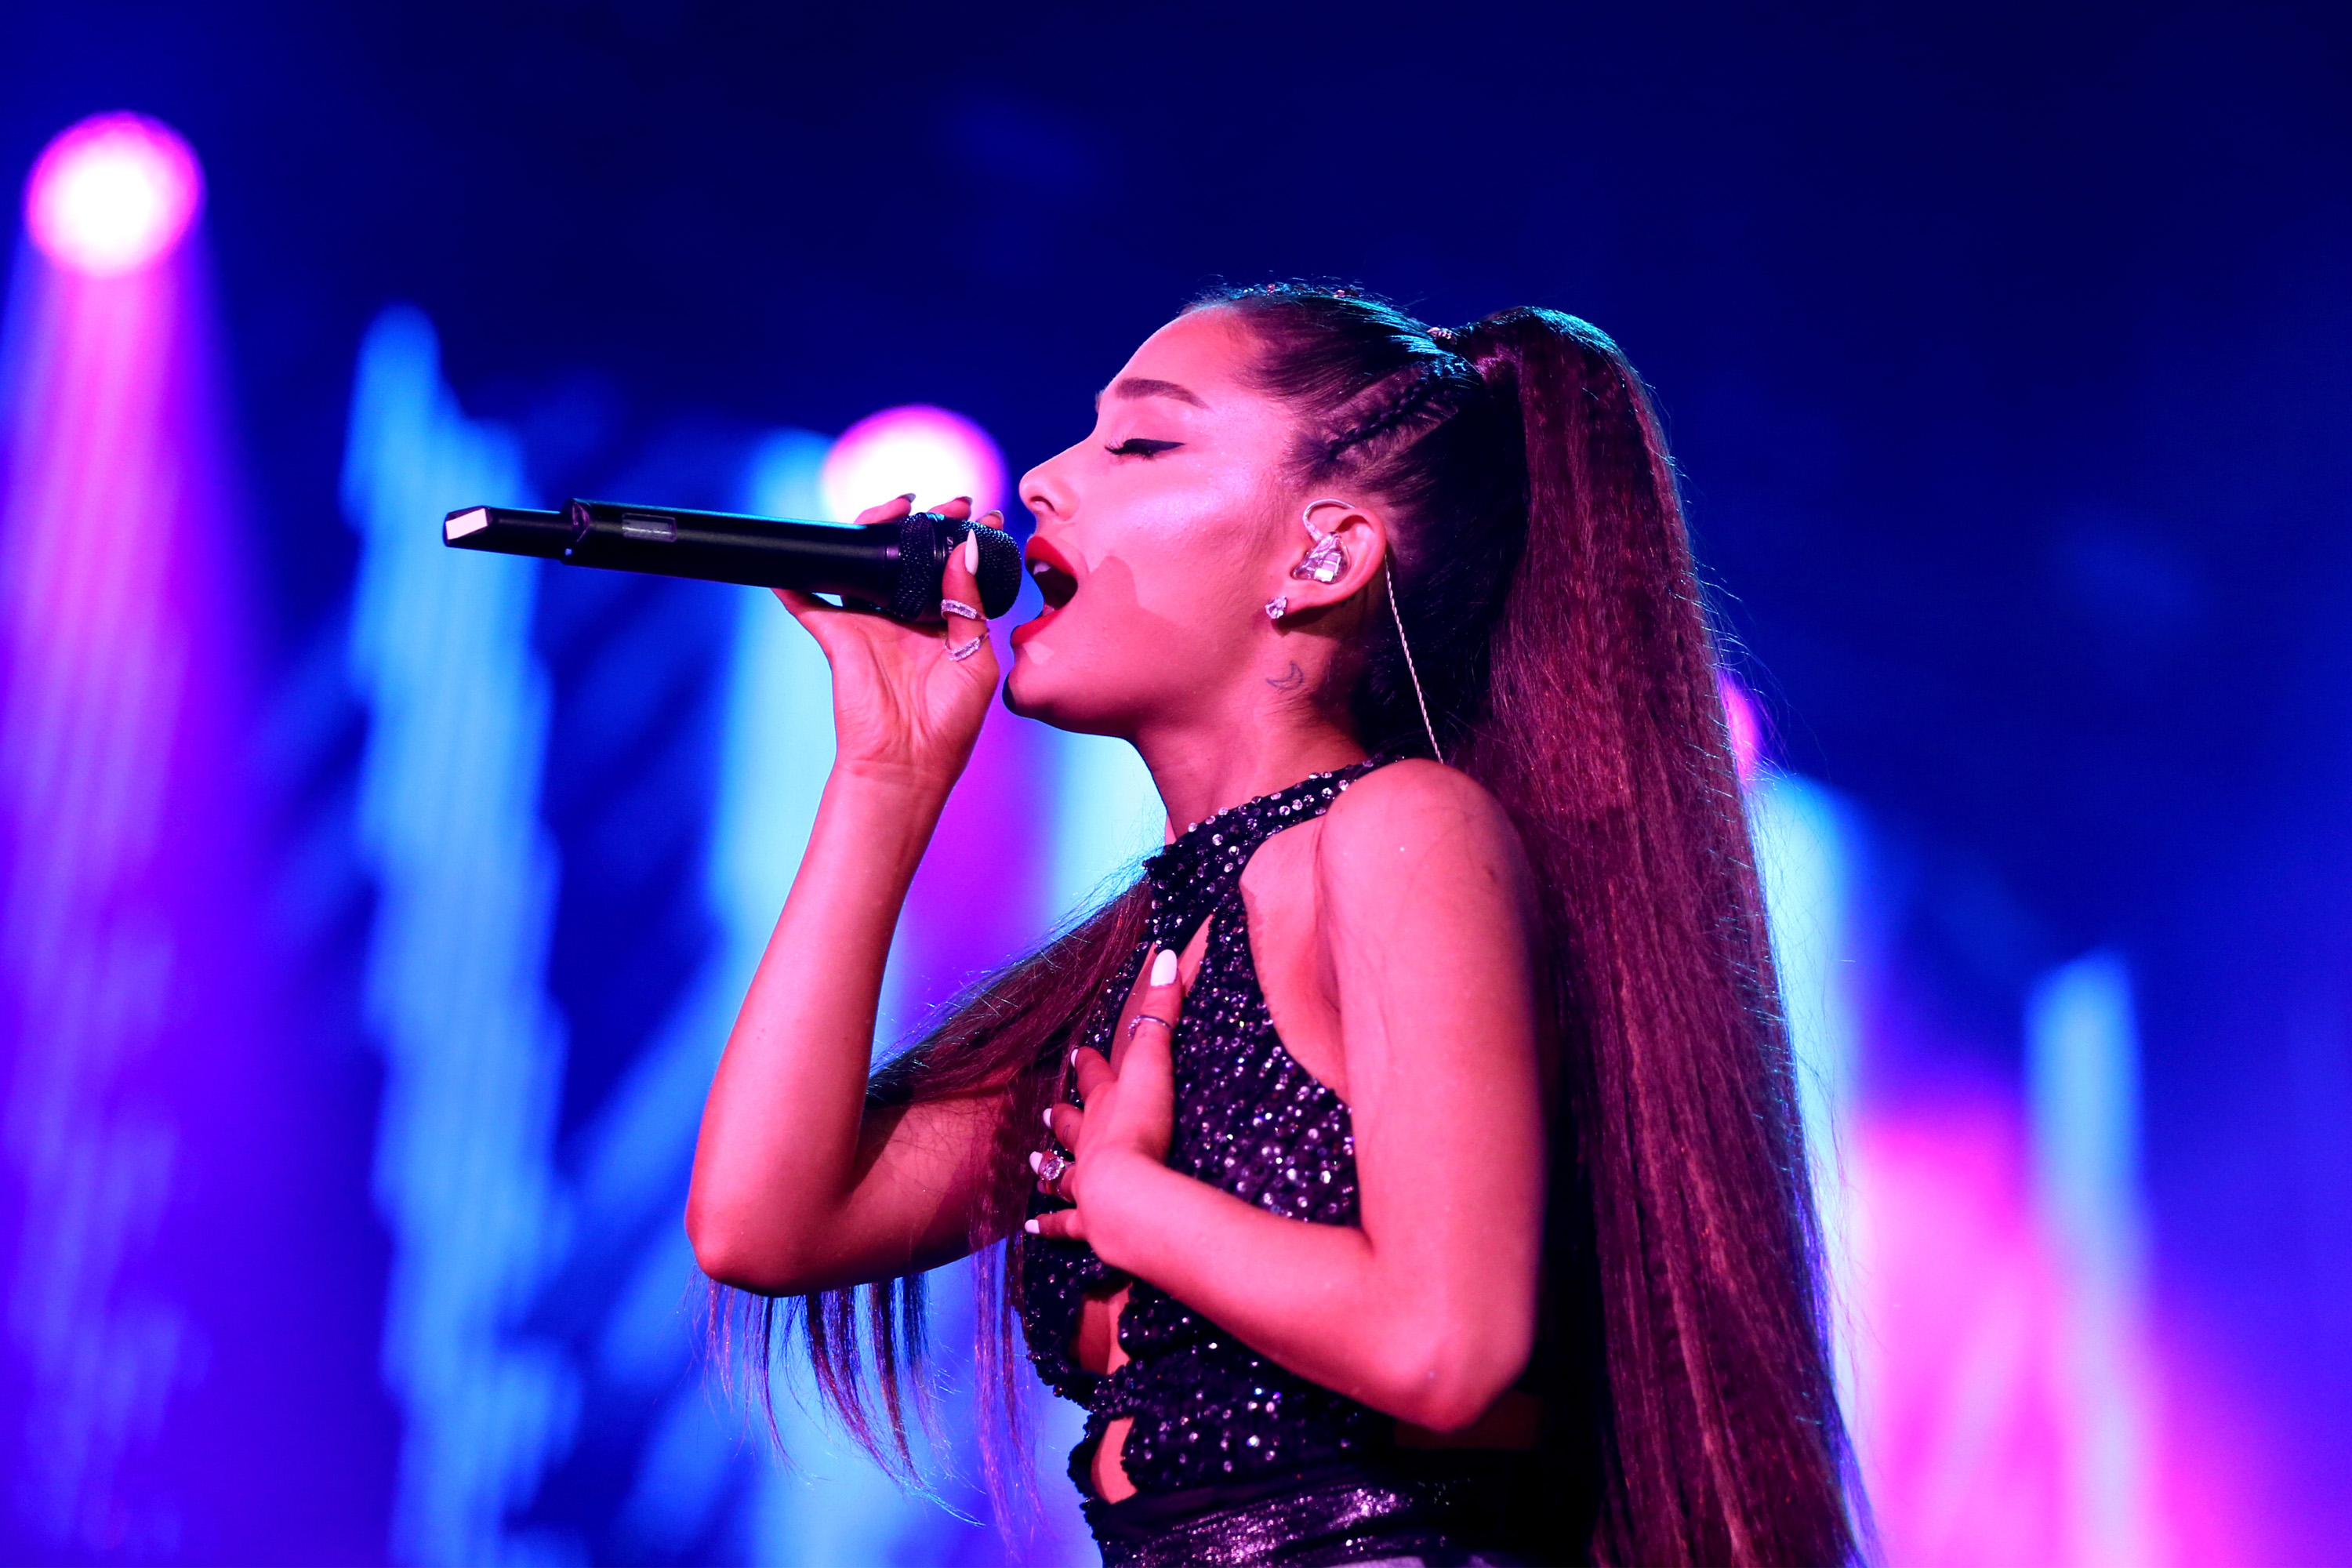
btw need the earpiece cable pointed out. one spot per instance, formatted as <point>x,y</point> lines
<point>1390,574</point>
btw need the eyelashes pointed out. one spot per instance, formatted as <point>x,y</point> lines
<point>1139,446</point>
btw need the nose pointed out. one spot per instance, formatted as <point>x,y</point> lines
<point>1046,490</point>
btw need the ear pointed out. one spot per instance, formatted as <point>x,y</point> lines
<point>1360,531</point>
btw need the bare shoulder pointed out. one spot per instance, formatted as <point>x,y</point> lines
<point>1403,824</point>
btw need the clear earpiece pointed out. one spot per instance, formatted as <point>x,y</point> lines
<point>1325,560</point>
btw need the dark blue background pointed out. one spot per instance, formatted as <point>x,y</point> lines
<point>2007,350</point>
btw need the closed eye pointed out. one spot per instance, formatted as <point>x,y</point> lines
<point>1139,447</point>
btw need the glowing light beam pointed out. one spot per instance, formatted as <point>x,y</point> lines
<point>473,1050</point>
<point>935,453</point>
<point>112,195</point>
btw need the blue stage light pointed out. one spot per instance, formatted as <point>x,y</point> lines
<point>473,1050</point>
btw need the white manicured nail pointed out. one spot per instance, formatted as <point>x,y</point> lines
<point>1037,1162</point>
<point>1030,1225</point>
<point>1049,1118</point>
<point>1163,968</point>
<point>971,553</point>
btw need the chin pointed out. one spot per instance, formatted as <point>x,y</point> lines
<point>1047,687</point>
<point>1035,692</point>
<point>1021,694</point>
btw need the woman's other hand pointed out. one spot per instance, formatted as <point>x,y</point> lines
<point>1129,1115</point>
<point>907,701</point>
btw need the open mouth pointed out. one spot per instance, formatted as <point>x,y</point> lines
<point>1055,581</point>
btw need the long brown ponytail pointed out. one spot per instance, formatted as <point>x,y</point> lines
<point>1544,575</point>
<point>1604,735</point>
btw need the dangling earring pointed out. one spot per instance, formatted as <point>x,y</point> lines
<point>1325,560</point>
<point>1276,605</point>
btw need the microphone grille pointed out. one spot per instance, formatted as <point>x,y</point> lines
<point>1000,571</point>
<point>924,538</point>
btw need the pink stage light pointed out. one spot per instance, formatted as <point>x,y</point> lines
<point>935,453</point>
<point>1747,726</point>
<point>112,195</point>
<point>125,707</point>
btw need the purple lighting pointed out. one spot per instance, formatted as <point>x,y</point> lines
<point>112,195</point>
<point>937,453</point>
<point>1747,726</point>
<point>155,1177</point>
<point>111,724</point>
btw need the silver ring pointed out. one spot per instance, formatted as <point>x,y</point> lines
<point>1050,1169</point>
<point>964,650</point>
<point>1142,1018</point>
<point>958,607</point>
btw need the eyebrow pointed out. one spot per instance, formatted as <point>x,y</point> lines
<point>1144,387</point>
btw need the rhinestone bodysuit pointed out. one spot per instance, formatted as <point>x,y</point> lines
<point>1207,1410</point>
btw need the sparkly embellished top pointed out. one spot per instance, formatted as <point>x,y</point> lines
<point>1249,1119</point>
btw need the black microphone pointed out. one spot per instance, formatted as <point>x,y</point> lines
<point>894,566</point>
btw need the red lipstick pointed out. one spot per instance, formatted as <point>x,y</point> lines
<point>1057,579</point>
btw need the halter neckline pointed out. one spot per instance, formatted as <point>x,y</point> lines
<point>1193,872</point>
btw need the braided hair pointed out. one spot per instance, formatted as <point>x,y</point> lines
<point>1409,418</point>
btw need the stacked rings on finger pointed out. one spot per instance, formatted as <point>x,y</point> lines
<point>958,607</point>
<point>1050,1168</point>
<point>1142,1018</point>
<point>964,650</point>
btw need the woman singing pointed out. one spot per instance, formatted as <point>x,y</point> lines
<point>1406,1167</point>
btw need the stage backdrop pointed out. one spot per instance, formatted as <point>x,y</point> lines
<point>359,990</point>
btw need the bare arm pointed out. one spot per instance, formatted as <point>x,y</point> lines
<point>1428,1311</point>
<point>796,1185</point>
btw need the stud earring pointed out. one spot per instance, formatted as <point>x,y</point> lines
<point>1276,605</point>
<point>1325,560</point>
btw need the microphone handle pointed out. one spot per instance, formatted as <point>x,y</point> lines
<point>894,565</point>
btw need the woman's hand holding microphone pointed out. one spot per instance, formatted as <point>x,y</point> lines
<point>797,1198</point>
<point>907,699</point>
<point>907,703</point>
